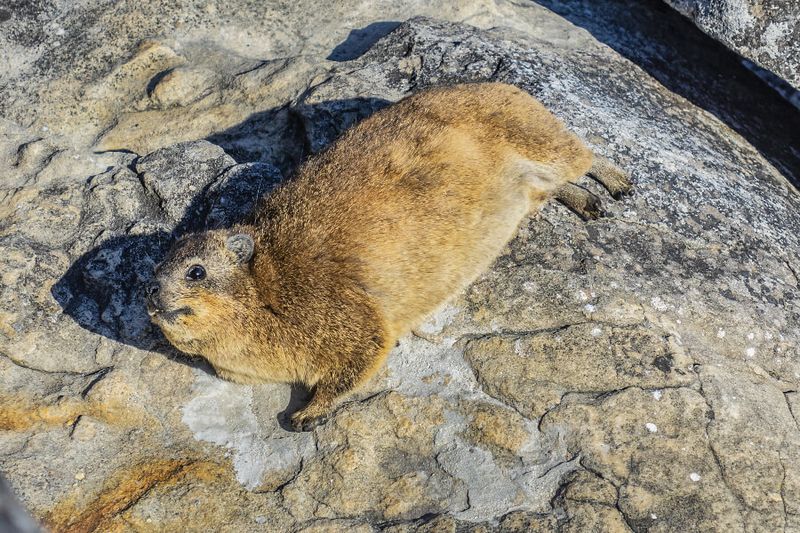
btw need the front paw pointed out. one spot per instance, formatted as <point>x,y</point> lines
<point>303,422</point>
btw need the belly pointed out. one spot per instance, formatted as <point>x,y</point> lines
<point>436,255</point>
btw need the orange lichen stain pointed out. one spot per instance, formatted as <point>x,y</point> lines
<point>20,414</point>
<point>17,414</point>
<point>121,491</point>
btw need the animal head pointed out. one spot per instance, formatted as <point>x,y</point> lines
<point>202,290</point>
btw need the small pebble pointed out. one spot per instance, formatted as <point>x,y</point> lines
<point>694,476</point>
<point>652,428</point>
<point>80,476</point>
<point>657,394</point>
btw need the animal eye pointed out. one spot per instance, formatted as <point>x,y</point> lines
<point>196,273</point>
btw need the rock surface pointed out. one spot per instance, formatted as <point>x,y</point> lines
<point>639,372</point>
<point>765,31</point>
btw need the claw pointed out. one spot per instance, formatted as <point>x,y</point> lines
<point>619,195</point>
<point>593,210</point>
<point>303,424</point>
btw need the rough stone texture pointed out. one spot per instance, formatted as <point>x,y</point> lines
<point>639,372</point>
<point>765,31</point>
<point>693,65</point>
<point>13,516</point>
<point>229,58</point>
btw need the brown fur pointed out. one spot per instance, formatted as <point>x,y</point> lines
<point>373,234</point>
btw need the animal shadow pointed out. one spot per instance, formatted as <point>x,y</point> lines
<point>152,201</point>
<point>361,40</point>
<point>299,396</point>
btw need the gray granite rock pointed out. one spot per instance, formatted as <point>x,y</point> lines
<point>638,372</point>
<point>764,31</point>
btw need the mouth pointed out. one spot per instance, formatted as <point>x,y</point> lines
<point>167,316</point>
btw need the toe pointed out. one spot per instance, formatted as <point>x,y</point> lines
<point>594,209</point>
<point>303,424</point>
<point>622,193</point>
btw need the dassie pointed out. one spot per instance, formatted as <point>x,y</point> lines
<point>368,237</point>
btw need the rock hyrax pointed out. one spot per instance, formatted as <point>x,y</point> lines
<point>368,237</point>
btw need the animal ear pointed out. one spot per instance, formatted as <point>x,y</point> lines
<point>242,246</point>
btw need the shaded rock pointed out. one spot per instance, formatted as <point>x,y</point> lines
<point>234,195</point>
<point>13,516</point>
<point>693,65</point>
<point>767,32</point>
<point>101,291</point>
<point>197,165</point>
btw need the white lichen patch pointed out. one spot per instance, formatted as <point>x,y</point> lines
<point>420,367</point>
<point>519,350</point>
<point>529,287</point>
<point>658,304</point>
<point>492,488</point>
<point>222,413</point>
<point>774,35</point>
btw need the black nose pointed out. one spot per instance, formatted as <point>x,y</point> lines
<point>151,290</point>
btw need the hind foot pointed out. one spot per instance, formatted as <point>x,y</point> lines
<point>302,422</point>
<point>318,410</point>
<point>580,201</point>
<point>614,179</point>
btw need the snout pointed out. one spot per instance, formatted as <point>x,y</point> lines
<point>162,311</point>
<point>152,291</point>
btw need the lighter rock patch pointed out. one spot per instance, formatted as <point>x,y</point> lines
<point>222,413</point>
<point>439,320</point>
